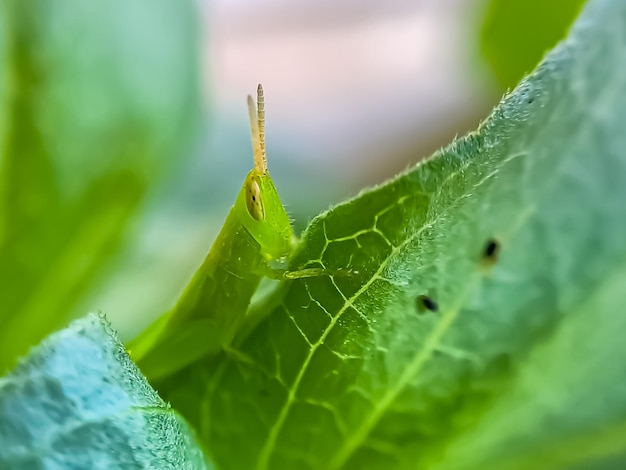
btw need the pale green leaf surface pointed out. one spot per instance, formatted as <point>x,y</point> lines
<point>97,99</point>
<point>522,365</point>
<point>78,401</point>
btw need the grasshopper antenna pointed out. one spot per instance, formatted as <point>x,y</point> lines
<point>257,125</point>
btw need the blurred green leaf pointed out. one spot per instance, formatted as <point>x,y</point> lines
<point>520,367</point>
<point>517,33</point>
<point>97,99</point>
<point>78,401</point>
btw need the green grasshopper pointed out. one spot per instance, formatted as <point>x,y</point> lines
<point>211,310</point>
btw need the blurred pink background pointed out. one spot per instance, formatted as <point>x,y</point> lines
<point>346,82</point>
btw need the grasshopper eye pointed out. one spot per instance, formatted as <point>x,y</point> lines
<point>254,202</point>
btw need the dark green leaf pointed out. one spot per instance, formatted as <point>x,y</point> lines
<point>517,33</point>
<point>95,99</point>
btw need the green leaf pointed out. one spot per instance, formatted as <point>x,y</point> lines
<point>517,33</point>
<point>78,401</point>
<point>521,366</point>
<point>96,99</point>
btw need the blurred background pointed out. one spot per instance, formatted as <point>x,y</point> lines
<point>125,135</point>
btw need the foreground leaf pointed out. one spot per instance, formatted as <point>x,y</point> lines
<point>96,98</point>
<point>521,367</point>
<point>78,401</point>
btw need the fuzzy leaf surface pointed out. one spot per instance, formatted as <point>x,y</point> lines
<point>78,401</point>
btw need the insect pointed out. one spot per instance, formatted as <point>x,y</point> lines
<point>210,311</point>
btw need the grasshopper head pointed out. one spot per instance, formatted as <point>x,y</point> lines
<point>264,215</point>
